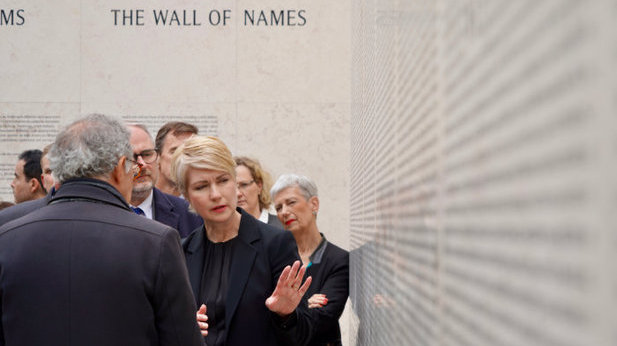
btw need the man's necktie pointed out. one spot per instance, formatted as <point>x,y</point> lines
<point>138,211</point>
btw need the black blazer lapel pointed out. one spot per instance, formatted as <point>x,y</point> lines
<point>241,266</point>
<point>194,252</point>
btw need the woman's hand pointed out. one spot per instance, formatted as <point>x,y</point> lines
<point>288,292</point>
<point>317,300</point>
<point>202,318</point>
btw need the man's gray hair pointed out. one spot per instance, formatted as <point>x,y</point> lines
<point>89,147</point>
<point>306,185</point>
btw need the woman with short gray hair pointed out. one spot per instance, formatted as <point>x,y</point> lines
<point>297,204</point>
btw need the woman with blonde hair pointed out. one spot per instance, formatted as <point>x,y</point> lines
<point>239,268</point>
<point>254,190</point>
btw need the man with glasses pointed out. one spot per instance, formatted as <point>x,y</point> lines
<point>146,199</point>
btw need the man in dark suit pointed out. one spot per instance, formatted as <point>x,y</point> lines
<point>168,139</point>
<point>27,207</point>
<point>85,270</point>
<point>21,209</point>
<point>26,184</point>
<point>148,200</point>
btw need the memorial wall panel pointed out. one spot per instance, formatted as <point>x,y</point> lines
<point>482,173</point>
<point>272,79</point>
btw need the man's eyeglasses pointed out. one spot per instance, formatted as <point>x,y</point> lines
<point>244,185</point>
<point>148,156</point>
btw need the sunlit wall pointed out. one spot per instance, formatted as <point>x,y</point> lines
<point>483,172</point>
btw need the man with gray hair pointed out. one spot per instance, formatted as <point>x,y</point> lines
<point>85,270</point>
<point>149,201</point>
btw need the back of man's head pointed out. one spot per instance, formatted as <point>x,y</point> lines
<point>32,163</point>
<point>89,148</point>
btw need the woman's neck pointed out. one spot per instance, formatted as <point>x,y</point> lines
<point>221,232</point>
<point>255,212</point>
<point>307,243</point>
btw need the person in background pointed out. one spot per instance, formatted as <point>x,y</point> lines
<point>27,184</point>
<point>88,270</point>
<point>239,267</point>
<point>167,140</point>
<point>149,201</point>
<point>297,205</point>
<point>49,184</point>
<point>254,190</point>
<point>4,205</point>
<point>46,177</point>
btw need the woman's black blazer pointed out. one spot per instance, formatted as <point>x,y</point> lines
<point>260,255</point>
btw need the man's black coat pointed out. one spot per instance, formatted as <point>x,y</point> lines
<point>85,270</point>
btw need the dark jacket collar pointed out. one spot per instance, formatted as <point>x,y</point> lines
<point>317,255</point>
<point>88,189</point>
<point>163,209</point>
<point>247,232</point>
<point>241,266</point>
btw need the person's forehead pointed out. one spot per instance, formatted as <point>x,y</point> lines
<point>288,192</point>
<point>175,139</point>
<point>203,174</point>
<point>19,166</point>
<point>140,140</point>
<point>243,173</point>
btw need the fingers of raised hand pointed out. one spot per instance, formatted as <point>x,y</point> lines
<point>305,286</point>
<point>284,275</point>
<point>296,274</point>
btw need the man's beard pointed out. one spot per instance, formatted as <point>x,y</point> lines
<point>142,191</point>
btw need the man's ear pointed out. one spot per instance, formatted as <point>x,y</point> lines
<point>119,174</point>
<point>121,179</point>
<point>34,185</point>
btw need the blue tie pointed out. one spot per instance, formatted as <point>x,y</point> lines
<point>138,211</point>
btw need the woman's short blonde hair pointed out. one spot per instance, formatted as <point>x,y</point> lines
<point>260,176</point>
<point>202,152</point>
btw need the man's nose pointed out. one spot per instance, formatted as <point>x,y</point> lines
<point>140,160</point>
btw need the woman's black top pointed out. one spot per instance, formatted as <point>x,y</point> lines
<point>214,284</point>
<point>260,253</point>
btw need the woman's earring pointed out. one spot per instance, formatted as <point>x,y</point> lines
<point>314,213</point>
